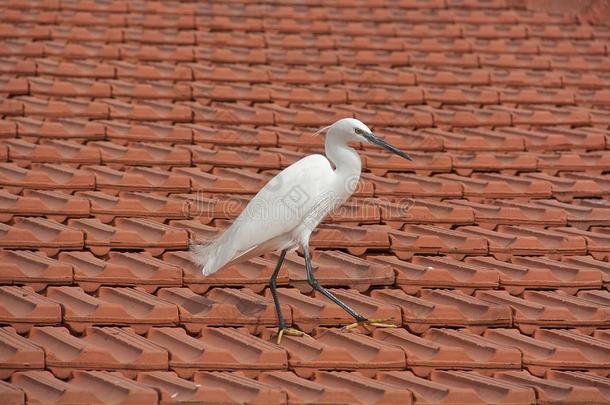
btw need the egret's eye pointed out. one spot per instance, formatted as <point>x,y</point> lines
<point>359,131</point>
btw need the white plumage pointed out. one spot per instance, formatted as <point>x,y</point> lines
<point>287,209</point>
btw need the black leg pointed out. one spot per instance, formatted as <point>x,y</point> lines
<point>276,299</point>
<point>316,286</point>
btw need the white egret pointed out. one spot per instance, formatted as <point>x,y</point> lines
<point>283,214</point>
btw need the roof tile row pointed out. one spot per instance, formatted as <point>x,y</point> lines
<point>544,138</point>
<point>416,12</point>
<point>195,311</point>
<point>232,349</point>
<point>564,187</point>
<point>276,387</point>
<point>484,39</point>
<point>441,75</point>
<point>301,114</point>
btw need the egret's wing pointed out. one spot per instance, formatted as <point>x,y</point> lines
<point>284,201</point>
<point>283,204</point>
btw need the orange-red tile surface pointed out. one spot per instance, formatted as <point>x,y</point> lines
<point>130,128</point>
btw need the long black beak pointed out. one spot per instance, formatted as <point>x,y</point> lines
<point>372,138</point>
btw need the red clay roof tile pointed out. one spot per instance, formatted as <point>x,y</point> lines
<point>370,307</point>
<point>21,308</point>
<point>254,273</point>
<point>12,107</point>
<point>450,349</point>
<point>421,211</point>
<point>593,162</point>
<point>427,239</point>
<point>130,233</point>
<point>335,268</point>
<point>506,163</point>
<point>42,387</point>
<point>100,382</point>
<point>113,306</point>
<point>221,387</point>
<point>333,349</point>
<point>44,176</point>
<point>207,159</point>
<point>309,312</point>
<point>12,86</point>
<point>121,269</point>
<point>39,233</point>
<point>504,212</point>
<point>358,211</point>
<point>54,205</point>
<point>59,128</point>
<point>141,154</point>
<point>231,55</point>
<point>109,348</point>
<point>424,163</point>
<point>356,240</point>
<point>86,33</point>
<point>24,153</point>
<point>589,262</point>
<point>303,391</point>
<point>172,388</point>
<point>11,394</point>
<point>579,379</point>
<point>107,207</point>
<point>218,308</point>
<point>365,390</point>
<point>557,349</point>
<point>438,308</point>
<point>487,389</point>
<point>527,241</point>
<point>33,269</point>
<point>597,242</point>
<point>254,310</point>
<point>428,392</point>
<point>376,75</point>
<point>20,353</point>
<point>478,139</point>
<point>548,309</point>
<point>567,188</point>
<point>410,185</point>
<point>533,272</point>
<point>430,272</point>
<point>217,348</point>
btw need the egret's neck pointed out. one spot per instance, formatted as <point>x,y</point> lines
<point>345,158</point>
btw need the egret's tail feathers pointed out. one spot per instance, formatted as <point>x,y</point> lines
<point>214,255</point>
<point>201,256</point>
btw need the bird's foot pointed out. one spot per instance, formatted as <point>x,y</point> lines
<point>289,332</point>
<point>368,323</point>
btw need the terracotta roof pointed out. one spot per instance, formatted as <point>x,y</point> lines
<point>127,128</point>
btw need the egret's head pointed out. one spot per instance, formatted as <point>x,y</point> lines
<point>351,129</point>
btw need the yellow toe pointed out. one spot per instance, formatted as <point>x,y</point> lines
<point>350,326</point>
<point>279,336</point>
<point>290,332</point>
<point>368,324</point>
<point>383,325</point>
